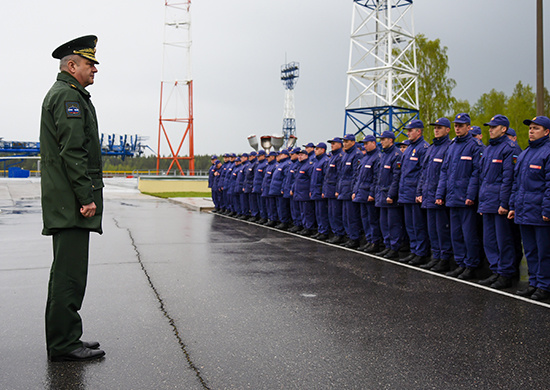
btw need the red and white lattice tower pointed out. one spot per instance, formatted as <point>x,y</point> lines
<point>176,88</point>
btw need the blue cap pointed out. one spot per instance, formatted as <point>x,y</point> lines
<point>475,130</point>
<point>349,137</point>
<point>285,152</point>
<point>335,139</point>
<point>303,151</point>
<point>414,124</point>
<point>261,152</point>
<point>511,132</point>
<point>442,122</point>
<point>498,120</point>
<point>538,120</point>
<point>274,154</point>
<point>369,138</point>
<point>388,134</point>
<point>233,155</point>
<point>227,155</point>
<point>295,150</point>
<point>360,147</point>
<point>214,157</point>
<point>244,155</point>
<point>404,143</point>
<point>321,145</point>
<point>253,153</point>
<point>309,145</point>
<point>217,162</point>
<point>462,118</point>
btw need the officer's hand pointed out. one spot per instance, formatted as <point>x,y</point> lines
<point>439,202</point>
<point>389,200</point>
<point>502,211</point>
<point>291,192</point>
<point>511,214</point>
<point>370,199</point>
<point>418,199</point>
<point>469,202</point>
<point>88,210</point>
<point>336,194</point>
<point>323,196</point>
<point>545,219</point>
<point>352,196</point>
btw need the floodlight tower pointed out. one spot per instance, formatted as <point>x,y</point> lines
<point>289,75</point>
<point>176,87</point>
<point>382,87</point>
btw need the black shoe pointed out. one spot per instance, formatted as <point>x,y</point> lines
<point>351,244</point>
<point>407,258</point>
<point>457,271</point>
<point>90,344</point>
<point>79,354</point>
<point>540,295</point>
<point>419,260</point>
<point>468,274</point>
<point>294,229</point>
<point>364,246</point>
<point>441,266</point>
<point>392,255</point>
<point>336,240</point>
<point>271,223</point>
<point>262,221</point>
<point>430,264</point>
<point>282,226</point>
<point>252,219</point>
<point>526,292</point>
<point>305,232</point>
<point>490,280</point>
<point>373,248</point>
<point>383,253</point>
<point>316,235</point>
<point>502,282</point>
<point>321,237</point>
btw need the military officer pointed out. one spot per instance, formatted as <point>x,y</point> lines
<point>282,170</point>
<point>329,191</point>
<point>259,175</point>
<point>300,192</point>
<point>475,131</point>
<point>316,192</point>
<point>72,200</point>
<point>249,184</point>
<point>289,183</point>
<point>270,201</point>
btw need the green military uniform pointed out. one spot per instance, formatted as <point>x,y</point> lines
<point>71,177</point>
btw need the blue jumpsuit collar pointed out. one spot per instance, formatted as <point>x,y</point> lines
<point>496,141</point>
<point>539,142</point>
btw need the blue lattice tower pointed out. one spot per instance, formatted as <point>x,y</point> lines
<point>289,76</point>
<point>382,88</point>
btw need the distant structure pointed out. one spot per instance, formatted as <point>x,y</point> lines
<point>176,88</point>
<point>382,87</point>
<point>289,75</point>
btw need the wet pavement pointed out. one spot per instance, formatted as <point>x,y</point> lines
<point>181,299</point>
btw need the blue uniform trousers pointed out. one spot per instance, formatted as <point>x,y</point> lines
<point>263,206</point>
<point>335,217</point>
<point>245,204</point>
<point>439,231</point>
<point>370,216</point>
<point>536,244</point>
<point>498,243</point>
<point>253,204</point>
<point>236,202</point>
<point>391,226</point>
<point>351,216</point>
<point>321,215</point>
<point>271,205</point>
<point>415,224</point>
<point>283,209</point>
<point>466,246</point>
<point>307,210</point>
<point>295,212</point>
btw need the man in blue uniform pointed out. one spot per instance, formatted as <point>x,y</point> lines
<point>438,223</point>
<point>329,192</point>
<point>216,193</point>
<point>316,191</point>
<point>457,189</point>
<point>259,175</point>
<point>518,247</point>
<point>530,207</point>
<point>409,191</point>
<point>270,201</point>
<point>242,197</point>
<point>475,131</point>
<point>233,190</point>
<point>387,190</point>
<point>211,170</point>
<point>289,184</point>
<point>310,150</point>
<point>300,192</point>
<point>364,192</point>
<point>248,185</point>
<point>276,189</point>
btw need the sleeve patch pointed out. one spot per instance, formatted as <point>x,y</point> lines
<point>72,109</point>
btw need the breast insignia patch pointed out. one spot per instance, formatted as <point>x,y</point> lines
<point>72,109</point>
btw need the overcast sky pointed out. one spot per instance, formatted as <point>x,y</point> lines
<point>238,49</point>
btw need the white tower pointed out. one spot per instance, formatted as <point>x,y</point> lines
<point>289,76</point>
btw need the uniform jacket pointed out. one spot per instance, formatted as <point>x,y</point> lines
<point>317,176</point>
<point>496,175</point>
<point>290,178</point>
<point>347,172</point>
<point>70,151</point>
<point>268,176</point>
<point>411,170</point>
<point>259,175</point>
<point>459,178</point>
<point>302,183</point>
<point>216,179</point>
<point>249,175</point>
<point>211,171</point>
<point>331,175</point>
<point>531,190</point>
<point>227,173</point>
<point>388,177</point>
<point>278,178</point>
<point>365,185</point>
<point>232,181</point>
<point>241,172</point>
<point>431,169</point>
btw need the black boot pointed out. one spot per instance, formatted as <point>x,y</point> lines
<point>430,264</point>
<point>441,266</point>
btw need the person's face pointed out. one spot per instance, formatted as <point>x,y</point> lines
<point>302,157</point>
<point>270,158</point>
<point>370,146</point>
<point>513,137</point>
<point>334,146</point>
<point>537,131</point>
<point>497,131</point>
<point>479,137</point>
<point>441,131</point>
<point>261,157</point>
<point>294,157</point>
<point>403,148</point>
<point>83,70</point>
<point>309,149</point>
<point>386,142</point>
<point>348,144</point>
<point>243,159</point>
<point>414,134</point>
<point>225,159</point>
<point>462,129</point>
<point>219,165</point>
<point>319,151</point>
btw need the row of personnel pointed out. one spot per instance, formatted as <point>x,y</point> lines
<point>431,196</point>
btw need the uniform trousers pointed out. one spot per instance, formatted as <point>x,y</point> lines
<point>370,216</point>
<point>66,289</point>
<point>271,208</point>
<point>254,209</point>
<point>536,244</point>
<point>464,236</point>
<point>351,217</point>
<point>307,210</point>
<point>335,216</point>
<point>498,243</point>
<point>295,212</point>
<point>245,203</point>
<point>283,209</point>
<point>439,231</point>
<point>236,202</point>
<point>391,226</point>
<point>416,227</point>
<point>321,215</point>
<point>262,206</point>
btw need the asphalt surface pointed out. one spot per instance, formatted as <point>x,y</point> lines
<point>181,299</point>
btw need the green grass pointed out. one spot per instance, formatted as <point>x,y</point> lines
<point>179,194</point>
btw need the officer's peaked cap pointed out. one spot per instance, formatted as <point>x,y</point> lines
<point>83,46</point>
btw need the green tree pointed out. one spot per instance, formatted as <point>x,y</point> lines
<point>521,105</point>
<point>487,106</point>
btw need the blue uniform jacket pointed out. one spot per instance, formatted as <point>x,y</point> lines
<point>278,178</point>
<point>496,175</point>
<point>227,174</point>
<point>216,179</point>
<point>317,176</point>
<point>365,185</point>
<point>531,190</point>
<point>433,162</point>
<point>303,181</point>
<point>232,182</point>
<point>259,177</point>
<point>268,176</point>
<point>211,175</point>
<point>241,172</point>
<point>411,170</point>
<point>459,179</point>
<point>331,174</point>
<point>290,177</point>
<point>249,175</point>
<point>347,172</point>
<point>388,177</point>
